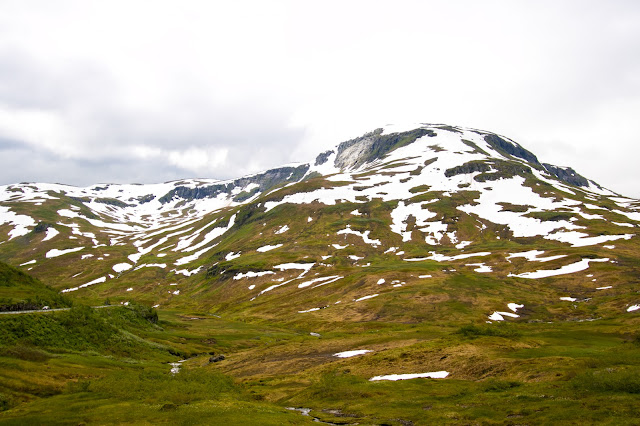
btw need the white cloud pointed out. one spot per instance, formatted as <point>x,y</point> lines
<point>198,160</point>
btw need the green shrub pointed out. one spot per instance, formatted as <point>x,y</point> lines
<point>494,385</point>
<point>609,380</point>
<point>25,352</point>
<point>80,328</point>
<point>4,403</point>
<point>497,330</point>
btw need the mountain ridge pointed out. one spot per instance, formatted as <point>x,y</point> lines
<point>438,184</point>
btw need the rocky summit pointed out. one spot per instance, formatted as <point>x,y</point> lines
<point>421,266</point>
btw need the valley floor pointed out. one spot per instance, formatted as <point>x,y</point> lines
<point>112,366</point>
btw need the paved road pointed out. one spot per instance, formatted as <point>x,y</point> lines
<point>50,310</point>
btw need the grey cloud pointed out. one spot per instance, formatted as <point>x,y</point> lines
<point>9,144</point>
<point>251,151</point>
<point>87,101</point>
<point>27,83</point>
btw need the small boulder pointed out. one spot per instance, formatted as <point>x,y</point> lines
<point>216,358</point>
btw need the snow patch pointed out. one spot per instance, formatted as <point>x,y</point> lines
<point>282,229</point>
<point>151,265</point>
<point>463,244</point>
<point>309,310</point>
<point>567,269</point>
<point>394,377</point>
<point>349,354</point>
<point>328,280</point>
<point>96,281</point>
<point>363,235</point>
<point>51,232</point>
<point>186,272</point>
<point>252,274</point>
<point>514,306</point>
<point>267,248</point>
<point>580,239</point>
<point>499,316</point>
<point>121,267</point>
<point>532,256</point>
<point>304,266</point>
<point>55,252</point>
<point>231,255</point>
<point>366,297</point>
<point>443,258</point>
<point>481,267</point>
<point>628,225</point>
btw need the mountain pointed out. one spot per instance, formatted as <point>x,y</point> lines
<point>432,192</point>
<point>406,240</point>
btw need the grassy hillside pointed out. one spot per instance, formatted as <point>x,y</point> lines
<point>20,291</point>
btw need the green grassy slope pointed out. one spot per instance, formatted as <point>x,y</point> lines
<point>20,291</point>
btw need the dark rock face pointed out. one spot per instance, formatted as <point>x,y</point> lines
<point>323,158</point>
<point>195,193</point>
<point>113,202</point>
<point>146,198</point>
<point>265,181</point>
<point>42,227</point>
<point>466,168</point>
<point>567,175</point>
<point>509,148</point>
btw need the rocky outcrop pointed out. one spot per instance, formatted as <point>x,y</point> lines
<point>374,145</point>
<point>323,158</point>
<point>510,148</point>
<point>567,175</point>
<point>265,181</point>
<point>466,168</point>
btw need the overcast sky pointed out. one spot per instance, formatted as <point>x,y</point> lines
<point>151,91</point>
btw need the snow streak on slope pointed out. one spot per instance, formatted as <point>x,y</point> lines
<point>567,269</point>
